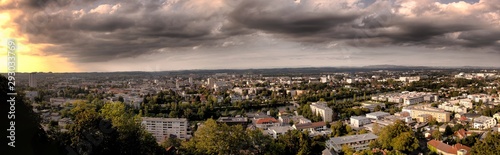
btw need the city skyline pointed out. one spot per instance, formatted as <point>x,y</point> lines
<point>106,36</point>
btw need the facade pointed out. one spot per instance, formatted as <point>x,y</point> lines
<point>484,122</point>
<point>377,115</point>
<point>356,142</point>
<point>276,131</point>
<point>445,149</point>
<point>323,110</point>
<point>162,128</point>
<point>311,127</point>
<point>453,107</point>
<point>422,111</point>
<point>413,100</point>
<point>372,106</point>
<point>32,80</point>
<point>265,123</point>
<point>234,120</point>
<point>358,121</point>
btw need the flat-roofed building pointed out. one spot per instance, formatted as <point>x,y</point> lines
<point>162,128</point>
<point>358,121</point>
<point>276,131</point>
<point>233,120</point>
<point>323,110</point>
<point>420,111</point>
<point>356,142</point>
<point>484,122</point>
<point>377,115</point>
<point>372,106</point>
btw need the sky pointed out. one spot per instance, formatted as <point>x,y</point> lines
<point>162,35</point>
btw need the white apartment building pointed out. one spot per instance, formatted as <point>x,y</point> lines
<point>453,107</point>
<point>276,131</point>
<point>161,128</point>
<point>323,110</point>
<point>484,122</point>
<point>358,121</point>
<point>467,103</point>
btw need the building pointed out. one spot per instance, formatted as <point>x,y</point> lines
<point>276,131</point>
<point>311,127</point>
<point>210,83</point>
<point>372,106</point>
<point>162,128</point>
<point>356,142</point>
<point>265,123</point>
<point>234,120</point>
<point>377,115</point>
<point>460,134</point>
<point>423,111</point>
<point>484,122</point>
<point>32,80</point>
<point>323,110</point>
<point>409,79</point>
<point>358,121</point>
<point>453,107</point>
<point>445,149</point>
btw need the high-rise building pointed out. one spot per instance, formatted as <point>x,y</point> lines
<point>162,128</point>
<point>32,79</point>
<point>210,82</point>
<point>323,110</point>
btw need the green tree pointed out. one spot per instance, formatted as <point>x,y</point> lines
<point>436,135</point>
<point>398,137</point>
<point>490,145</point>
<point>347,150</point>
<point>171,142</point>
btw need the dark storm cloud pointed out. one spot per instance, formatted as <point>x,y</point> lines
<point>93,30</point>
<point>279,17</point>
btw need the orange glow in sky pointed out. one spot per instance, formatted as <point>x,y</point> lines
<point>30,57</point>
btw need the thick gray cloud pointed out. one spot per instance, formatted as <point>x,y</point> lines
<point>98,30</point>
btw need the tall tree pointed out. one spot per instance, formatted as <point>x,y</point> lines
<point>490,145</point>
<point>398,137</point>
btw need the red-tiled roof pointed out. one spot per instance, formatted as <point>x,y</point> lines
<point>266,120</point>
<point>461,133</point>
<point>447,148</point>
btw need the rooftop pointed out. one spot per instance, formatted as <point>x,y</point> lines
<point>447,148</point>
<point>162,119</point>
<point>232,119</point>
<point>266,120</point>
<point>309,125</point>
<point>378,113</point>
<point>352,138</point>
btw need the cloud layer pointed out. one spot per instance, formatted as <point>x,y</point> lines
<point>89,31</point>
